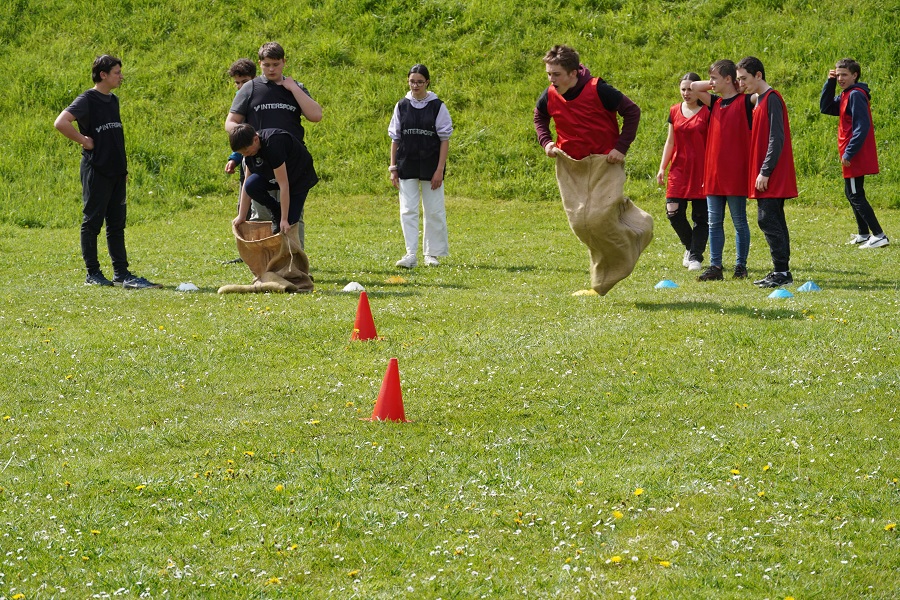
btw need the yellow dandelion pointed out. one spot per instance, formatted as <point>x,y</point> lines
<point>249,453</point>
<point>18,596</point>
<point>69,376</point>
<point>568,559</point>
<point>196,475</point>
<point>349,404</point>
<point>207,474</point>
<point>766,468</point>
<point>761,494</point>
<point>313,422</point>
<point>579,482</point>
<point>279,488</point>
<point>273,581</point>
<point>585,293</point>
<point>665,563</point>
<point>161,328</point>
<point>788,598</point>
<point>616,559</point>
<point>7,418</point>
<point>95,532</point>
<point>395,280</point>
<point>735,472</point>
<point>638,491</point>
<point>617,514</point>
<point>229,462</point>
<point>353,573</point>
<point>85,558</point>
<point>890,527</point>
<point>140,487</point>
<point>67,484</point>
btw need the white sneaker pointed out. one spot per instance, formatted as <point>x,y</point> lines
<point>407,262</point>
<point>685,262</point>
<point>875,242</point>
<point>859,239</point>
<point>694,265</point>
<point>431,261</point>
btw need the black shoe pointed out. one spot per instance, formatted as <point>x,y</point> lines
<point>133,282</point>
<point>276,221</point>
<point>97,278</point>
<point>712,273</point>
<point>740,272</point>
<point>773,280</point>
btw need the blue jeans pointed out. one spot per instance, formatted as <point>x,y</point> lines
<point>737,206</point>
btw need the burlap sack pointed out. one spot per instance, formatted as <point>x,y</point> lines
<point>277,262</point>
<point>610,225</point>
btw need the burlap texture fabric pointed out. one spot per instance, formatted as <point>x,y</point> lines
<point>610,225</point>
<point>278,262</point>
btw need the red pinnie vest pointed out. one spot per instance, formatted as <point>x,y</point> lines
<point>685,179</point>
<point>783,180</point>
<point>727,149</point>
<point>583,125</point>
<point>865,162</point>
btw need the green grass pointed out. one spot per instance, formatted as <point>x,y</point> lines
<point>125,460</point>
<point>353,56</point>
<point>143,435</point>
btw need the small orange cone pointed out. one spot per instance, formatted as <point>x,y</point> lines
<point>389,406</point>
<point>364,328</point>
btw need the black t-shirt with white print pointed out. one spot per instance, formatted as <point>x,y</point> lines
<point>97,115</point>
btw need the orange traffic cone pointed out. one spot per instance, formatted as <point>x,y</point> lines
<point>364,328</point>
<point>389,406</point>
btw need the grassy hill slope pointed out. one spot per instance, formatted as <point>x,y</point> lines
<point>353,55</point>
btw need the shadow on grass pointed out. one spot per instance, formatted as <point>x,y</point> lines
<point>715,307</point>
<point>871,286</point>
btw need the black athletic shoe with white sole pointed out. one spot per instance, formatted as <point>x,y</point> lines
<point>97,278</point>
<point>774,280</point>
<point>133,282</point>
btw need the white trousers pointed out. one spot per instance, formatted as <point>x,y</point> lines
<point>434,230</point>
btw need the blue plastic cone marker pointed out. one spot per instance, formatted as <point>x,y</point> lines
<point>809,286</point>
<point>781,294</point>
<point>666,283</point>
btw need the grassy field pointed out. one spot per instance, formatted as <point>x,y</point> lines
<point>704,441</point>
<point>354,55</point>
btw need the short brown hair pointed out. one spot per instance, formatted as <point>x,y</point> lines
<point>271,50</point>
<point>851,65</point>
<point>241,136</point>
<point>242,67</point>
<point>563,56</point>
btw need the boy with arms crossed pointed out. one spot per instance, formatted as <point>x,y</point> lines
<point>104,172</point>
<point>856,144</point>
<point>772,178</point>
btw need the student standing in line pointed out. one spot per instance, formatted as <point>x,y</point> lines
<point>104,172</point>
<point>274,101</point>
<point>856,144</point>
<point>772,178</point>
<point>727,163</point>
<point>685,151</point>
<point>241,71</point>
<point>420,130</point>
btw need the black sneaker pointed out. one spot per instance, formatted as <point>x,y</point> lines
<point>773,280</point>
<point>133,282</point>
<point>712,273</point>
<point>97,278</point>
<point>740,272</point>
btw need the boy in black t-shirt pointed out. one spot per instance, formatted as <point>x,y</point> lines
<point>273,155</point>
<point>104,170</point>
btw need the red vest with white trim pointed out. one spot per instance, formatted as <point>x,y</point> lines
<point>783,180</point>
<point>583,125</point>
<point>865,162</point>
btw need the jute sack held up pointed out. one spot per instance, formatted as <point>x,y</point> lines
<point>278,262</point>
<point>610,225</point>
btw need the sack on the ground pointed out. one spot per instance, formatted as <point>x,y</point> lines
<point>278,262</point>
<point>610,225</point>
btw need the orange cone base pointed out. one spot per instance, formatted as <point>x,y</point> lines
<point>364,327</point>
<point>389,406</point>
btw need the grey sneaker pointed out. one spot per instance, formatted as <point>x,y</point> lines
<point>97,278</point>
<point>407,262</point>
<point>859,238</point>
<point>133,282</point>
<point>432,261</point>
<point>685,262</point>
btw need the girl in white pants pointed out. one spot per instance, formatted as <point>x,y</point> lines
<point>420,132</point>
